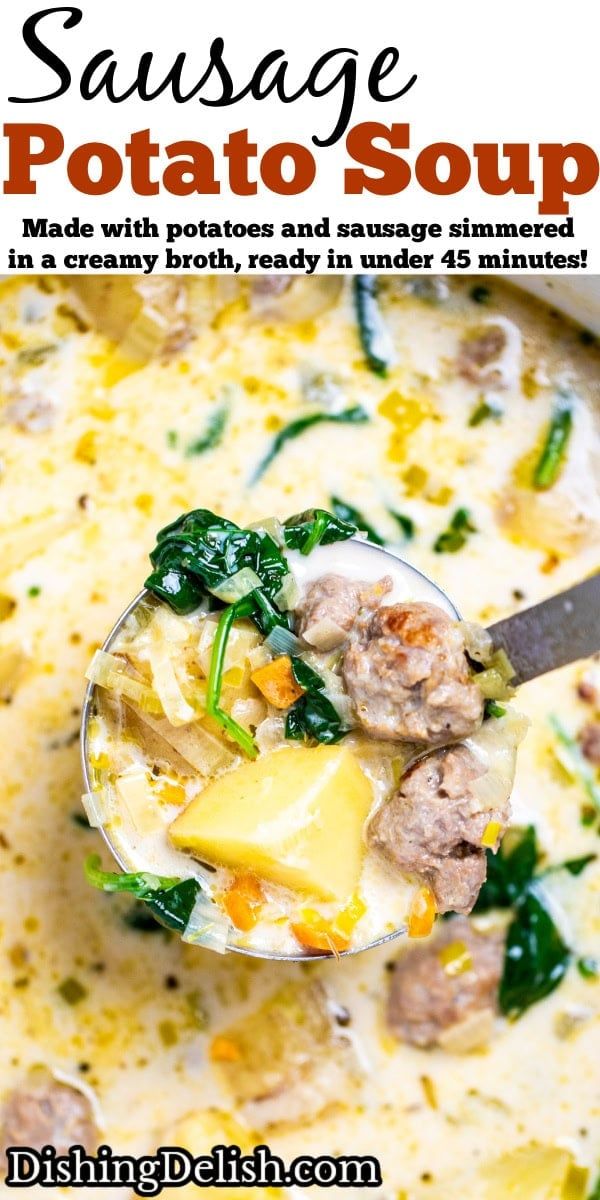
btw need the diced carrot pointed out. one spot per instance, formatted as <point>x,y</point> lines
<point>314,932</point>
<point>422,913</point>
<point>277,683</point>
<point>242,902</point>
<point>223,1049</point>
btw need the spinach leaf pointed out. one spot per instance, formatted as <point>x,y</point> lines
<point>200,550</point>
<point>406,524</point>
<point>313,715</point>
<point>484,411</point>
<point>510,871</point>
<point>356,415</point>
<point>549,464</point>
<point>575,866</point>
<point>171,900</point>
<point>316,527</point>
<point>171,582</point>
<point>373,332</point>
<point>212,434</point>
<point>588,967</point>
<point>347,512</point>
<point>514,867</point>
<point>455,536</point>
<point>536,957</point>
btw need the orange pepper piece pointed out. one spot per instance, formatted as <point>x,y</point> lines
<point>277,683</point>
<point>242,902</point>
<point>223,1049</point>
<point>314,932</point>
<point>422,913</point>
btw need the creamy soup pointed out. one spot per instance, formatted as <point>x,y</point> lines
<point>478,462</point>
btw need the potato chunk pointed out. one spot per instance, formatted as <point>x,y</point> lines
<point>288,1060</point>
<point>531,1172</point>
<point>198,1132</point>
<point>294,816</point>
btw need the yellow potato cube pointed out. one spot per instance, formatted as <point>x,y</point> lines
<point>198,1132</point>
<point>294,816</point>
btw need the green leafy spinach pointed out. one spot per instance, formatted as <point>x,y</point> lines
<point>549,464</point>
<point>316,527</point>
<point>373,332</point>
<point>356,415</point>
<point>170,900</point>
<point>212,434</point>
<point>455,536</point>
<point>347,512</point>
<point>196,554</point>
<point>536,956</point>
<point>313,715</point>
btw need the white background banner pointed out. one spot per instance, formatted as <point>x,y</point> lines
<point>518,75</point>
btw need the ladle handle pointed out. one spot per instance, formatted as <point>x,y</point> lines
<point>551,634</point>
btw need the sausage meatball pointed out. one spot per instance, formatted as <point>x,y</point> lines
<point>433,826</point>
<point>406,670</point>
<point>490,354</point>
<point>426,999</point>
<point>330,605</point>
<point>47,1113</point>
<point>589,739</point>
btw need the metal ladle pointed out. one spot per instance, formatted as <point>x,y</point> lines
<point>537,640</point>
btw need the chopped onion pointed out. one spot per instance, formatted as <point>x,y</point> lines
<point>199,747</point>
<point>134,792</point>
<point>474,1031</point>
<point>248,713</point>
<point>108,671</point>
<point>145,317</point>
<point>289,593</point>
<point>163,633</point>
<point>300,299</point>
<point>478,642</point>
<point>505,369</point>
<point>325,634</point>
<point>259,657</point>
<point>493,685</point>
<point>207,926</point>
<point>270,734</point>
<point>495,745</point>
<point>242,640</point>
<point>283,641</point>
<point>175,706</point>
<point>84,1089</point>
<point>343,707</point>
<point>94,804</point>
<point>237,586</point>
<point>273,527</point>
